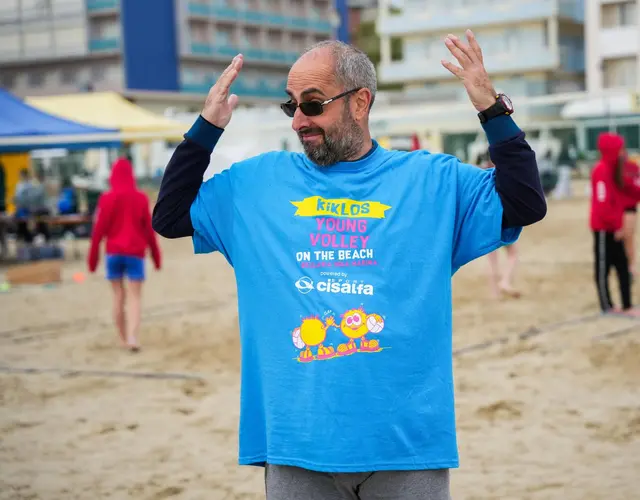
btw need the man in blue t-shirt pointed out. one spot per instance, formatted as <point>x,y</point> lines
<point>343,258</point>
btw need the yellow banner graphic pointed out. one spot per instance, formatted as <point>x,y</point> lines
<point>315,206</point>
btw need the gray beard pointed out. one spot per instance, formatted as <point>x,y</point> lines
<point>342,144</point>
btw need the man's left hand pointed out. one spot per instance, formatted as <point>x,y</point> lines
<point>472,73</point>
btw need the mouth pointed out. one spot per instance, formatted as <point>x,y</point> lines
<point>311,136</point>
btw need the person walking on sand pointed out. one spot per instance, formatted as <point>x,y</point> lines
<point>611,191</point>
<point>501,285</point>
<point>123,218</point>
<point>343,257</point>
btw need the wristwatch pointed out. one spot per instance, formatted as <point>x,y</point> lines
<point>503,106</point>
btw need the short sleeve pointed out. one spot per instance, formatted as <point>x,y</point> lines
<point>212,216</point>
<point>478,225</point>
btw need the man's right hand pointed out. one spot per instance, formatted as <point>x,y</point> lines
<point>219,104</point>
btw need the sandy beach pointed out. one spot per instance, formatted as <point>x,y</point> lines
<point>548,391</point>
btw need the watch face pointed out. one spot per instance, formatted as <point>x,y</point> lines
<point>506,102</point>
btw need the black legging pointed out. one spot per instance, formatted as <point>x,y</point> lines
<point>610,252</point>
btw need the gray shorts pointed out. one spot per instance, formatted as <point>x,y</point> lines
<point>292,483</point>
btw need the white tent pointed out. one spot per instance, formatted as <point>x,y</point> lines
<point>250,132</point>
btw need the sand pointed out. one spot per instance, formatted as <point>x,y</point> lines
<point>553,415</point>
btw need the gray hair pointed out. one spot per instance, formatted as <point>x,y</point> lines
<point>353,68</point>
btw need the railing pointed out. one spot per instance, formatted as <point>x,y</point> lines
<point>104,44</point>
<point>260,17</point>
<point>509,11</point>
<point>534,59</point>
<point>95,5</point>
<point>243,86</point>
<point>35,54</point>
<point>250,53</point>
<point>262,89</point>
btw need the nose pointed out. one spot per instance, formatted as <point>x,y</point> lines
<point>300,121</point>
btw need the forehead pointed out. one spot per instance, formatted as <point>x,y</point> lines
<point>314,70</point>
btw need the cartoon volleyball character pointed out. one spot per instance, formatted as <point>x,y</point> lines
<point>313,332</point>
<point>356,324</point>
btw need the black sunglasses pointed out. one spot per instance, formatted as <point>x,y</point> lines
<point>311,108</point>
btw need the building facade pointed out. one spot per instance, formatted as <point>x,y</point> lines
<point>612,30</point>
<point>170,50</point>
<point>531,47</point>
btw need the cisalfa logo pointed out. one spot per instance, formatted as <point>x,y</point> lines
<point>304,285</point>
<point>335,286</point>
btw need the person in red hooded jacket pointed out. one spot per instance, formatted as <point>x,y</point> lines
<point>123,218</point>
<point>631,176</point>
<point>611,191</point>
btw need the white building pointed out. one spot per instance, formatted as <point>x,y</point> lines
<point>612,29</point>
<point>531,47</point>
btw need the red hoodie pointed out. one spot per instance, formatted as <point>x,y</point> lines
<point>631,175</point>
<point>608,200</point>
<point>123,218</point>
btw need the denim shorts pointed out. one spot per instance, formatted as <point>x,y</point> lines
<point>119,266</point>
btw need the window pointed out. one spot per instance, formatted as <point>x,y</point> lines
<point>511,40</point>
<point>619,14</point>
<point>275,38</point>
<point>114,74</point>
<point>7,80</point>
<point>298,42</point>
<point>36,78</point>
<point>223,36</point>
<point>273,5</point>
<point>198,32</point>
<point>319,8</point>
<point>250,38</point>
<point>69,76</point>
<point>620,73</point>
<point>631,134</point>
<point>105,29</point>
<point>98,73</point>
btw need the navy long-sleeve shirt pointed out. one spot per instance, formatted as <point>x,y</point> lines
<point>517,178</point>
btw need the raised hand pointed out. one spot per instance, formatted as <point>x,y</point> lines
<point>219,105</point>
<point>472,73</point>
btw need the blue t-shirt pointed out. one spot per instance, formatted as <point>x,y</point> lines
<point>344,295</point>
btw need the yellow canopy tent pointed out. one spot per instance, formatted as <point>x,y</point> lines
<point>111,110</point>
<point>13,163</point>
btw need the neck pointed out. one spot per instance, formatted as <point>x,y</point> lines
<point>366,146</point>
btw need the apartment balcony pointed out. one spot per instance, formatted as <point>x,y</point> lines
<point>251,54</point>
<point>241,87</point>
<point>104,44</point>
<point>419,19</point>
<point>100,6</point>
<point>422,70</point>
<point>260,18</point>
<point>53,88</point>
<point>16,55</point>
<point>622,41</point>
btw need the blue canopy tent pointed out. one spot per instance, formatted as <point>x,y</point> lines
<point>25,128</point>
